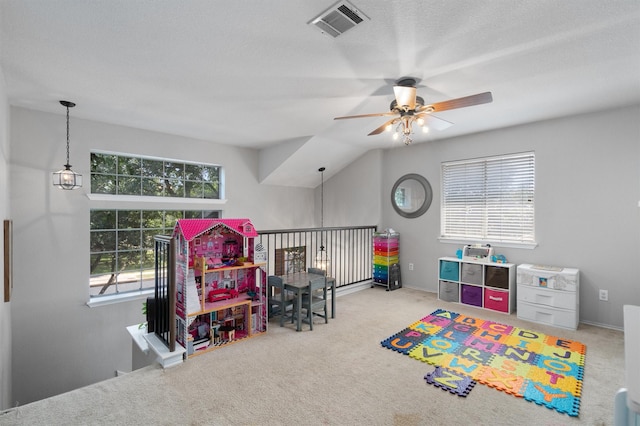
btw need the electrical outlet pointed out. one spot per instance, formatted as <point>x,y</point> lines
<point>411,266</point>
<point>604,295</point>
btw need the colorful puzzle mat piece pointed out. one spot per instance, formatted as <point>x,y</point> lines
<point>547,370</point>
<point>458,384</point>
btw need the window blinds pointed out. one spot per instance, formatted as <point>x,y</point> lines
<point>489,199</point>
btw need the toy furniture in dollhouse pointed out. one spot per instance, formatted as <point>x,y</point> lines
<point>228,332</point>
<point>222,294</point>
<point>221,291</point>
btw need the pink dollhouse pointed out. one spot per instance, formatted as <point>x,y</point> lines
<point>220,283</point>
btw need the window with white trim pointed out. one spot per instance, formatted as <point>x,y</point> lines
<point>122,247</point>
<point>144,176</point>
<point>489,199</point>
<point>137,189</point>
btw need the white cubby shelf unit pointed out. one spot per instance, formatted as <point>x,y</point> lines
<point>482,284</point>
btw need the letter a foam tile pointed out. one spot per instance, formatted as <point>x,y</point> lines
<point>456,383</point>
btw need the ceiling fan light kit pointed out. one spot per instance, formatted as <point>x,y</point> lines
<point>408,109</point>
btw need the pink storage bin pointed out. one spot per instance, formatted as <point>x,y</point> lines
<point>496,300</point>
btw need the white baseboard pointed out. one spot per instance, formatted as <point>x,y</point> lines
<point>598,324</point>
<point>341,291</point>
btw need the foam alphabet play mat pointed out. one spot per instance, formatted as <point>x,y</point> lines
<point>544,369</point>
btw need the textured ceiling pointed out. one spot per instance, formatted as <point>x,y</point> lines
<point>254,74</point>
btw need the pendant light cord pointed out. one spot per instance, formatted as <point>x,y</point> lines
<point>67,136</point>
<point>322,199</point>
<point>321,170</point>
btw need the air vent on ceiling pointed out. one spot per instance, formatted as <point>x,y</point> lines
<point>339,18</point>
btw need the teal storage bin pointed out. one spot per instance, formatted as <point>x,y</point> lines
<point>449,271</point>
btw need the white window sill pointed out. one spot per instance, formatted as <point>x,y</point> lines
<point>94,302</point>
<point>156,200</point>
<point>530,246</point>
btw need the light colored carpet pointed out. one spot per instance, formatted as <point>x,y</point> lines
<point>337,374</point>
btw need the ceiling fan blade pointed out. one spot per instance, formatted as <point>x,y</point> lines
<point>480,98</point>
<point>380,114</point>
<point>433,122</point>
<point>383,127</point>
<point>405,96</point>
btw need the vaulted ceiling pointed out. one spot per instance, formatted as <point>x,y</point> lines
<point>257,74</point>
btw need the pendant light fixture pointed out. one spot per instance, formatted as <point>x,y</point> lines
<point>322,257</point>
<point>67,178</point>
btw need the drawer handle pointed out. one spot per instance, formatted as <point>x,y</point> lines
<point>496,299</point>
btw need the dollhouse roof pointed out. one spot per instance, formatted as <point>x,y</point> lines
<point>191,228</point>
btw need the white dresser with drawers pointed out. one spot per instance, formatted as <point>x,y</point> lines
<point>548,295</point>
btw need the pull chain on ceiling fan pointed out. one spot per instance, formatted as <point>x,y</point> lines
<point>408,108</point>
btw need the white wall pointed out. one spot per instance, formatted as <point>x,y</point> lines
<point>5,307</point>
<point>587,192</point>
<point>352,196</point>
<point>59,343</point>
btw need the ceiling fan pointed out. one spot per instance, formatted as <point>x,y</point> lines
<point>408,108</point>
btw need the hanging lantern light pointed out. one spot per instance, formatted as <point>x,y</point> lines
<point>322,260</point>
<point>67,178</point>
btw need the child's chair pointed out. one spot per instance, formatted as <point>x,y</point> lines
<point>280,300</point>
